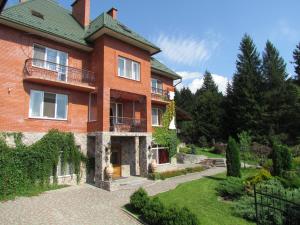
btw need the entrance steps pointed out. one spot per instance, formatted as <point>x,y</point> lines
<point>220,162</point>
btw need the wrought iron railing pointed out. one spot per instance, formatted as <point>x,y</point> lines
<point>275,207</point>
<point>36,68</point>
<point>125,124</point>
<point>159,94</point>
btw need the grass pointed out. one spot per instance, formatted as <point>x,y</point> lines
<point>34,191</point>
<point>202,151</point>
<point>202,199</point>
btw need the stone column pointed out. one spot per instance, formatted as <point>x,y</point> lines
<point>137,156</point>
<point>145,154</point>
<point>102,141</point>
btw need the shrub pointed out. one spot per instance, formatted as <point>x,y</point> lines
<point>262,175</point>
<point>296,164</point>
<point>185,150</point>
<point>178,216</point>
<point>268,165</point>
<point>231,188</point>
<point>153,212</point>
<point>154,176</point>
<point>174,173</point>
<point>219,148</point>
<point>282,159</point>
<point>262,152</point>
<point>233,159</point>
<point>203,141</point>
<point>193,149</point>
<point>139,199</point>
<point>245,208</point>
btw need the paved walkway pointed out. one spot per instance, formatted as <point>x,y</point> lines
<point>84,204</point>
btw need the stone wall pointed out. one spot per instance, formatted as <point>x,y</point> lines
<point>189,158</point>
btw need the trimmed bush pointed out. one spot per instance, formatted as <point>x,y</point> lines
<point>139,199</point>
<point>282,159</point>
<point>179,216</point>
<point>174,173</point>
<point>262,175</point>
<point>231,188</point>
<point>153,212</point>
<point>233,159</point>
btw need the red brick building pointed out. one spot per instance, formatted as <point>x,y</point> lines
<point>97,79</point>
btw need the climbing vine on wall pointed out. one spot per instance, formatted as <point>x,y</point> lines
<point>163,135</point>
<point>24,167</point>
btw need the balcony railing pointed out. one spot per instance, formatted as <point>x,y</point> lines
<point>159,94</point>
<point>37,69</point>
<point>125,124</point>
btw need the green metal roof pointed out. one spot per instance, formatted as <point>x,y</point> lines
<point>106,21</point>
<point>157,65</point>
<point>57,20</point>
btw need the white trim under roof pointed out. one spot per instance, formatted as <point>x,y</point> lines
<point>124,38</point>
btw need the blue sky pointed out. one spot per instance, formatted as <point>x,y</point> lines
<point>198,35</point>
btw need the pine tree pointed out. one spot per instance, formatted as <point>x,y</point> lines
<point>184,99</point>
<point>274,73</point>
<point>233,162</point>
<point>296,56</point>
<point>207,112</point>
<point>247,96</point>
<point>227,117</point>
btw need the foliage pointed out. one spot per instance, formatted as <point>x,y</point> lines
<point>245,140</point>
<point>282,159</point>
<point>262,152</point>
<point>154,212</point>
<point>296,57</point>
<point>163,135</point>
<point>219,148</point>
<point>245,208</point>
<point>23,168</point>
<point>233,158</point>
<point>262,175</point>
<point>231,188</point>
<point>193,150</point>
<point>174,173</point>
<point>139,199</point>
<point>268,165</point>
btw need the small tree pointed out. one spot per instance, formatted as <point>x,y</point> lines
<point>282,159</point>
<point>233,158</point>
<point>245,143</point>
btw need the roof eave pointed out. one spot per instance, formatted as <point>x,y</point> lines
<point>106,30</point>
<point>170,75</point>
<point>42,33</point>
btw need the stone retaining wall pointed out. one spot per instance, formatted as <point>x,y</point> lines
<point>189,158</point>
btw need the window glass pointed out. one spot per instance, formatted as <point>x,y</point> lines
<point>38,56</point>
<point>154,116</point>
<point>128,67</point>
<point>93,107</point>
<point>49,105</point>
<point>136,71</point>
<point>64,170</point>
<point>51,59</point>
<point>62,67</point>
<point>36,101</point>
<point>121,66</point>
<point>62,102</point>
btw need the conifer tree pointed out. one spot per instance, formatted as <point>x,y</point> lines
<point>274,73</point>
<point>296,56</point>
<point>247,95</point>
<point>233,162</point>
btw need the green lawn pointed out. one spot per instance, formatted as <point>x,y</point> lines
<point>209,154</point>
<point>201,198</point>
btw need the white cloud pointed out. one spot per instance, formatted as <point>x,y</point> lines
<point>194,80</point>
<point>186,50</point>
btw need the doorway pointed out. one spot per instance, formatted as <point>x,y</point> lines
<point>115,160</point>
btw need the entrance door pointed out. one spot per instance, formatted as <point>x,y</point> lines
<point>115,160</point>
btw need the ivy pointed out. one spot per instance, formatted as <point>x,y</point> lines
<point>163,135</point>
<point>26,167</point>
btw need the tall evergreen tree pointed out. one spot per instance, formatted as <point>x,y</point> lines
<point>296,56</point>
<point>247,86</point>
<point>184,99</point>
<point>228,115</point>
<point>207,112</point>
<point>274,73</point>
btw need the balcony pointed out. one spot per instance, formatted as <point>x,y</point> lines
<point>49,73</point>
<point>159,95</point>
<point>125,124</point>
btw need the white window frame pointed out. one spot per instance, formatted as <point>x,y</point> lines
<point>42,107</point>
<point>57,60</point>
<point>130,76</point>
<point>157,148</point>
<point>156,86</point>
<point>157,110</point>
<point>115,113</point>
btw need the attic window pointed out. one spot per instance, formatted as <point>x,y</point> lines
<point>37,14</point>
<point>125,28</point>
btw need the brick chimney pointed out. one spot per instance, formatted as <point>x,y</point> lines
<point>81,12</point>
<point>113,12</point>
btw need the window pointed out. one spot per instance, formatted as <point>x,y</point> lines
<point>51,59</point>
<point>128,69</point>
<point>156,86</point>
<point>48,105</point>
<point>93,107</point>
<point>156,116</point>
<point>162,154</point>
<point>116,113</point>
<point>64,170</point>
